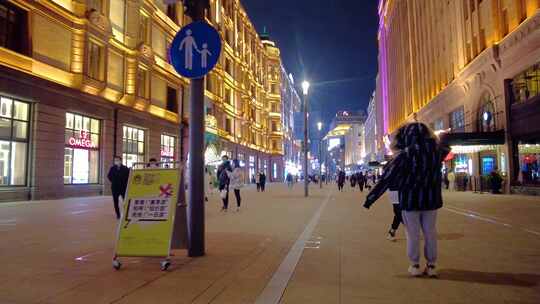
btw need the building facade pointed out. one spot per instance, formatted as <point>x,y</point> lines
<point>291,104</point>
<point>345,143</point>
<point>464,67</point>
<point>370,139</point>
<point>82,81</point>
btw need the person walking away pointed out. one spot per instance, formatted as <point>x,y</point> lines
<point>416,171</point>
<point>236,178</point>
<point>118,176</point>
<point>353,180</point>
<point>258,181</point>
<point>207,183</point>
<point>361,181</point>
<point>223,179</point>
<point>262,181</point>
<point>341,180</point>
<point>466,182</point>
<point>452,181</point>
<point>496,181</point>
<point>289,180</point>
<point>369,182</point>
<point>446,180</point>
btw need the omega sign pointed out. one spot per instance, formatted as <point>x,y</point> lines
<point>83,141</point>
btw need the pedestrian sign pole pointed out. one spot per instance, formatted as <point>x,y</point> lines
<point>194,52</point>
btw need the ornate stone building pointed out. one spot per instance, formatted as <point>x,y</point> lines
<point>83,80</point>
<point>462,66</point>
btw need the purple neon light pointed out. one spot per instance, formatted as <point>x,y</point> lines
<point>384,65</point>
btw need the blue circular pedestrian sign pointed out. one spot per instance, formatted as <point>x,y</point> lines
<point>195,50</point>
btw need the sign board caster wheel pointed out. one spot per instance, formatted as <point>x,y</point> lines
<point>165,265</point>
<point>116,264</point>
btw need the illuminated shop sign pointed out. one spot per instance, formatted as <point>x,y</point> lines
<point>83,141</point>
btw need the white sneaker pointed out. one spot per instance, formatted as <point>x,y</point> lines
<point>391,236</point>
<point>414,270</point>
<point>431,271</point>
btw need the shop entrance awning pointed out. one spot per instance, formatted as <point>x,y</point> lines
<point>476,138</point>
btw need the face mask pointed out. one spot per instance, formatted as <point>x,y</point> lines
<point>117,162</point>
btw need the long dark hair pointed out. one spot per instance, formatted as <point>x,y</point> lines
<point>413,134</point>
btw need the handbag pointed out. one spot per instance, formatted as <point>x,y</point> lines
<point>223,193</point>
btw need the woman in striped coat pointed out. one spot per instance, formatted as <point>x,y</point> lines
<point>416,171</point>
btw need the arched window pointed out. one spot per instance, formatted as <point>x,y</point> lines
<point>486,116</point>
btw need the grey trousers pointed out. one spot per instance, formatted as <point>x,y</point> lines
<point>414,222</point>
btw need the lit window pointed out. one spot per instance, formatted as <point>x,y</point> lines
<point>457,120</point>
<point>172,99</point>
<point>94,62</point>
<point>168,148</point>
<point>14,28</point>
<point>14,128</point>
<point>133,146</point>
<point>143,82</point>
<point>526,85</point>
<point>81,151</point>
<point>144,27</point>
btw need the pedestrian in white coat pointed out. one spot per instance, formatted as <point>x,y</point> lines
<point>236,178</point>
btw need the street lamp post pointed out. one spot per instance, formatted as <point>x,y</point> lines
<point>319,127</point>
<point>305,89</point>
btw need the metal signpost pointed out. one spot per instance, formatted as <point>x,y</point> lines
<point>194,52</point>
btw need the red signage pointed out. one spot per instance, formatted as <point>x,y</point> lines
<point>167,152</point>
<point>83,141</point>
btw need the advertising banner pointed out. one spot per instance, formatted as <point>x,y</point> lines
<point>149,210</point>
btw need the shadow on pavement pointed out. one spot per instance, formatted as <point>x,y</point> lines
<point>492,278</point>
<point>449,236</point>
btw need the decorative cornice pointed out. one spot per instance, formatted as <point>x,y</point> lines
<point>529,26</point>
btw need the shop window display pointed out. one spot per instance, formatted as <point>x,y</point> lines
<point>81,152</point>
<point>133,146</point>
<point>529,161</point>
<point>168,148</point>
<point>14,121</point>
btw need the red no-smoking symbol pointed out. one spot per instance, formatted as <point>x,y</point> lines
<point>165,190</point>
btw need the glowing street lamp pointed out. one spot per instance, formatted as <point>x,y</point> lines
<point>319,126</point>
<point>305,87</point>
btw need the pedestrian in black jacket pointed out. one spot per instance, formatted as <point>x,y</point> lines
<point>263,181</point>
<point>361,181</point>
<point>416,173</point>
<point>224,181</point>
<point>118,176</point>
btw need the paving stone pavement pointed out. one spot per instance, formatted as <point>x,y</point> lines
<point>56,252</point>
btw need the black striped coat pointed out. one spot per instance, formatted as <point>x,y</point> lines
<point>415,172</point>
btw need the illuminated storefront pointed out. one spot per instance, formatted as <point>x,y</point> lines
<point>529,164</point>
<point>14,128</point>
<point>523,94</point>
<point>81,151</point>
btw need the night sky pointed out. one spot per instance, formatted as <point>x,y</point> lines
<point>332,42</point>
